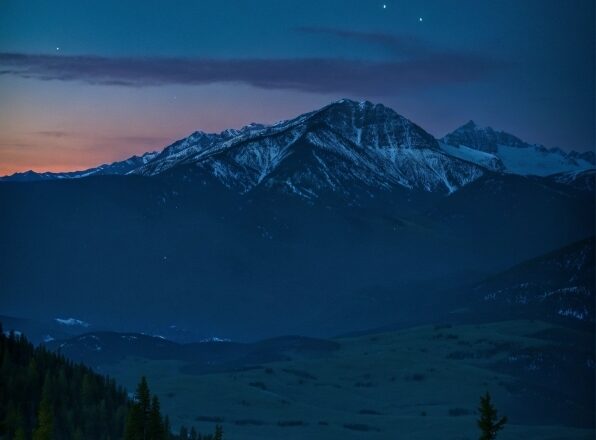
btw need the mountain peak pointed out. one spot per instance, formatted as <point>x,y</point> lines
<point>470,125</point>
<point>351,102</point>
<point>501,151</point>
<point>344,147</point>
<point>482,138</point>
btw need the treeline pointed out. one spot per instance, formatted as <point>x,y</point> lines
<point>44,396</point>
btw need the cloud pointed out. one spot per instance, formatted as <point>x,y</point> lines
<point>53,133</point>
<point>125,139</point>
<point>414,65</point>
<point>400,45</point>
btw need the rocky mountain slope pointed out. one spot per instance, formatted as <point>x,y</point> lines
<point>558,286</point>
<point>500,151</point>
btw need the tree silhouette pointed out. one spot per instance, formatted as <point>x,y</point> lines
<point>156,424</point>
<point>218,433</point>
<point>183,433</point>
<point>45,426</point>
<point>489,422</point>
<point>144,421</point>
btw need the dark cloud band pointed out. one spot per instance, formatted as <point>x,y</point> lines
<point>319,75</point>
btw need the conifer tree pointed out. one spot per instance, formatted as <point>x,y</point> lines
<point>489,422</point>
<point>167,428</point>
<point>143,398</point>
<point>183,433</point>
<point>144,421</point>
<point>156,426</point>
<point>45,426</point>
<point>218,433</point>
<point>20,434</point>
<point>134,424</point>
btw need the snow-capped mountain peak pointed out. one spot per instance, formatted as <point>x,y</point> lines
<point>501,151</point>
<point>480,138</point>
<point>343,147</point>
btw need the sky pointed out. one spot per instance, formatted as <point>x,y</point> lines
<point>88,82</point>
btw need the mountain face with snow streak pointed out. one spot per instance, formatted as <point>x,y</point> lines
<point>500,151</point>
<point>343,147</point>
<point>558,285</point>
<point>582,180</point>
<point>339,147</point>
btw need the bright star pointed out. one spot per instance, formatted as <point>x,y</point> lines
<point>57,48</point>
<point>420,19</point>
<point>384,6</point>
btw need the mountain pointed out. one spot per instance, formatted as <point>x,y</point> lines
<point>582,180</point>
<point>44,330</point>
<point>98,349</point>
<point>342,147</point>
<point>558,286</point>
<point>500,151</point>
<point>172,248</point>
<point>121,167</point>
<point>346,218</point>
<point>343,144</point>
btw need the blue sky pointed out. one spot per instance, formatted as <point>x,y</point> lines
<point>85,82</point>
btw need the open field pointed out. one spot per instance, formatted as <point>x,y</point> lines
<point>419,383</point>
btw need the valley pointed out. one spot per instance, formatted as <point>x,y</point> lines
<point>418,380</point>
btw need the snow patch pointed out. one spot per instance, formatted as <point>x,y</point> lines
<point>215,339</point>
<point>72,322</point>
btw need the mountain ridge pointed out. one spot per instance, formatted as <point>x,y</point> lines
<point>346,140</point>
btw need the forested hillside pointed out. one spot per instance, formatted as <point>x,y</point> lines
<point>44,396</point>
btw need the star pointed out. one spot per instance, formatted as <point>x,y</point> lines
<point>57,49</point>
<point>420,19</point>
<point>384,6</point>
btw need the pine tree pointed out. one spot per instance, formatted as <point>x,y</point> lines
<point>193,433</point>
<point>167,428</point>
<point>156,425</point>
<point>45,426</point>
<point>489,422</point>
<point>183,433</point>
<point>143,398</point>
<point>218,433</point>
<point>20,434</point>
<point>134,424</point>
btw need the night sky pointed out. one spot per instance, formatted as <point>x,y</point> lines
<point>87,82</point>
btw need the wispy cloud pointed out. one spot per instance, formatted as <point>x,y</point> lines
<point>102,139</point>
<point>414,65</point>
<point>399,45</point>
<point>53,133</point>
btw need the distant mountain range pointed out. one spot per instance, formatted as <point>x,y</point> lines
<point>340,145</point>
<point>100,348</point>
<point>115,168</point>
<point>343,219</point>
